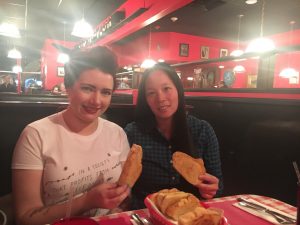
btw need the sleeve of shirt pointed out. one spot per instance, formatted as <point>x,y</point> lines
<point>27,153</point>
<point>211,153</point>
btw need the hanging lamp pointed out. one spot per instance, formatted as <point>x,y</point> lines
<point>9,30</point>
<point>63,57</point>
<point>238,51</point>
<point>289,72</point>
<point>14,54</point>
<point>82,28</point>
<point>261,44</point>
<point>148,62</point>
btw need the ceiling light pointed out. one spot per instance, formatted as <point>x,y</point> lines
<point>174,19</point>
<point>239,69</point>
<point>14,54</point>
<point>250,2</point>
<point>148,63</point>
<point>82,29</point>
<point>261,44</point>
<point>17,69</point>
<point>9,30</point>
<point>238,52</point>
<point>63,58</point>
<point>289,73</point>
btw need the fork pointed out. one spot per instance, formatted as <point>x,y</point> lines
<point>140,220</point>
<point>278,219</point>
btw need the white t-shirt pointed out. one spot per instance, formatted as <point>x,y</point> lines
<point>71,161</point>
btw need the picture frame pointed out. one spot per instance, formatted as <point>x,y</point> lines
<point>204,52</point>
<point>183,49</point>
<point>60,71</point>
<point>223,52</point>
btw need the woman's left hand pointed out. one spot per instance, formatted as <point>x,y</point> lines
<point>208,186</point>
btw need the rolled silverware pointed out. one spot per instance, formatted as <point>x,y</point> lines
<point>259,207</point>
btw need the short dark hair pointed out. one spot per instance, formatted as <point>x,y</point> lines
<point>145,118</point>
<point>100,58</point>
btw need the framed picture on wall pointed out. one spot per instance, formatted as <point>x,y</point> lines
<point>204,52</point>
<point>60,71</point>
<point>223,52</point>
<point>184,50</point>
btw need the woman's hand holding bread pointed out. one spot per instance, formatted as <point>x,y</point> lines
<point>194,172</point>
<point>209,186</point>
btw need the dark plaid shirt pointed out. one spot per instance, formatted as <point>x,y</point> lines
<point>158,172</point>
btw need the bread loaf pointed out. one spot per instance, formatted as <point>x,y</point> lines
<point>200,216</point>
<point>157,200</point>
<point>171,199</point>
<point>183,206</point>
<point>188,167</point>
<point>132,168</point>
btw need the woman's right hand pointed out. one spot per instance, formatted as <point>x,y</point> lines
<point>107,195</point>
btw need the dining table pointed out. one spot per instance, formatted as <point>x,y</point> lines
<point>234,215</point>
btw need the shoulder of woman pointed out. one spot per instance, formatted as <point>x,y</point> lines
<point>130,126</point>
<point>109,124</point>
<point>196,123</point>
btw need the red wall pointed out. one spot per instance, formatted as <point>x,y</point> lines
<point>49,64</point>
<point>165,45</point>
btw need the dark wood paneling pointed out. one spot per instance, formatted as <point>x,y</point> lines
<point>259,139</point>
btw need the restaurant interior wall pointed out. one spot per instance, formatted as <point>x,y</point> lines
<point>166,46</point>
<point>50,68</point>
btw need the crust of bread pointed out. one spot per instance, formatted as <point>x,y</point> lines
<point>183,206</point>
<point>157,200</point>
<point>188,167</point>
<point>170,199</point>
<point>200,216</point>
<point>132,168</point>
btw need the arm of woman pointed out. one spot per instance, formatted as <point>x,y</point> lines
<point>212,182</point>
<point>30,209</point>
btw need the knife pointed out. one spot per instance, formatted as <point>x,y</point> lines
<point>267,210</point>
<point>137,218</point>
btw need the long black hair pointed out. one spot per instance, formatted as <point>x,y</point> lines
<point>145,118</point>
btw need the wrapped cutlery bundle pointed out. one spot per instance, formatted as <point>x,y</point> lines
<point>171,206</point>
<point>265,212</point>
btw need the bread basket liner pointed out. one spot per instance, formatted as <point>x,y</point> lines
<point>159,219</point>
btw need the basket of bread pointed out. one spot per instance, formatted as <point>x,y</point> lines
<point>174,207</point>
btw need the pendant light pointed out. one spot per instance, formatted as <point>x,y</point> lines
<point>289,72</point>
<point>239,69</point>
<point>82,29</point>
<point>261,44</point>
<point>14,54</point>
<point>238,51</point>
<point>148,63</point>
<point>63,57</point>
<point>9,30</point>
